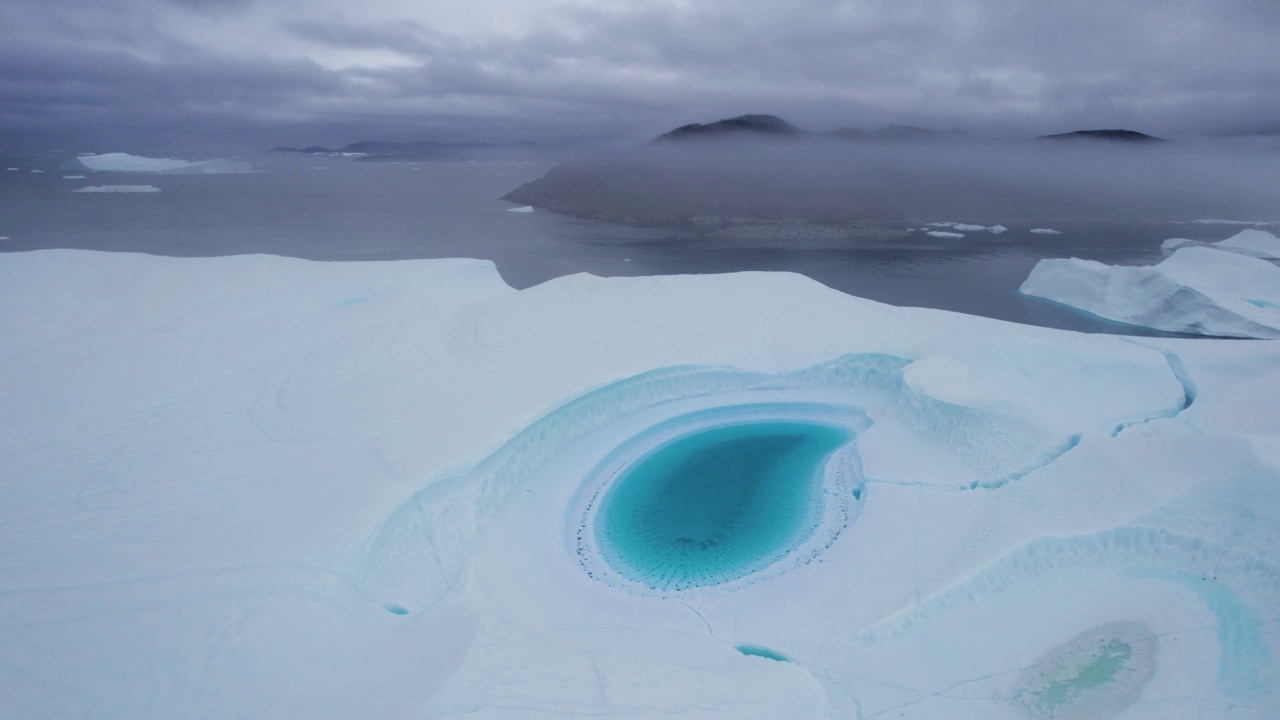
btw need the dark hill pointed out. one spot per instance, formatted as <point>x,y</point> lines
<point>1130,136</point>
<point>743,125</point>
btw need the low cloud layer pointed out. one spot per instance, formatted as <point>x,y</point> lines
<point>247,72</point>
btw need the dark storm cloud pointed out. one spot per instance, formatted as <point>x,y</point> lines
<point>1006,68</point>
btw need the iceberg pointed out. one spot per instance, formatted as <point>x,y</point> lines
<point>524,209</point>
<point>944,234</point>
<point>258,486</point>
<point>966,227</point>
<point>1196,290</point>
<point>118,189</point>
<point>1211,221</point>
<point>1254,243</point>
<point>1045,231</point>
<point>124,162</point>
<point>74,177</point>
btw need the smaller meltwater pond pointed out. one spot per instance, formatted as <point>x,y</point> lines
<point>717,504</point>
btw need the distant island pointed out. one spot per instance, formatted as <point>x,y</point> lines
<point>1130,136</point>
<point>757,125</point>
<point>759,174</point>
<point>774,126</point>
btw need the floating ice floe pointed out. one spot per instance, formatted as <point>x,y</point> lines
<point>965,227</point>
<point>119,189</point>
<point>258,486</point>
<point>525,209</point>
<point>14,169</point>
<point>1255,243</point>
<point>37,171</point>
<point>75,177</point>
<point>124,162</point>
<point>1235,222</point>
<point>1196,290</point>
<point>944,234</point>
<point>1045,231</point>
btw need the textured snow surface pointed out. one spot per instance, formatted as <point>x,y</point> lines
<point>1197,290</point>
<point>124,162</point>
<point>259,487</point>
<point>119,189</point>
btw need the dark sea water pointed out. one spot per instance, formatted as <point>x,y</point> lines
<point>339,210</point>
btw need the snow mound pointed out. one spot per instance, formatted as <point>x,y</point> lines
<point>119,189</point>
<point>944,234</point>
<point>1196,290</point>
<point>525,209</point>
<point>1254,243</point>
<point>124,162</point>
<point>1045,231</point>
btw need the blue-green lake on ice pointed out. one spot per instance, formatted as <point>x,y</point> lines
<point>717,504</point>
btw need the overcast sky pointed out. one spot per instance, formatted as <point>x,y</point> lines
<point>243,73</point>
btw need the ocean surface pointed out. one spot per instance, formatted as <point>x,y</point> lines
<point>333,209</point>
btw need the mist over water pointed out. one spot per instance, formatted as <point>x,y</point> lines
<point>337,210</point>
<point>829,180</point>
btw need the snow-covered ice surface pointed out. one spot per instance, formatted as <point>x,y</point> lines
<point>1255,243</point>
<point>264,487</point>
<point>124,162</point>
<point>1196,290</point>
<point>118,189</point>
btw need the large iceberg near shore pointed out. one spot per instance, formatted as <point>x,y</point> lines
<point>124,162</point>
<point>265,487</point>
<point>1196,290</point>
